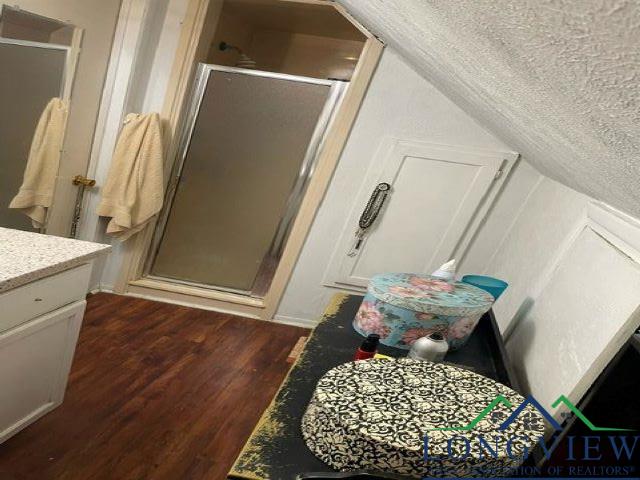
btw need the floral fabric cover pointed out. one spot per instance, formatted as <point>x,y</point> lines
<point>402,307</point>
<point>423,293</point>
<point>374,414</point>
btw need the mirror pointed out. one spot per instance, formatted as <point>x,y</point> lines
<point>32,74</point>
<point>51,77</point>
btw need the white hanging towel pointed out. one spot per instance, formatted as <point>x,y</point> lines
<point>36,192</point>
<point>133,192</point>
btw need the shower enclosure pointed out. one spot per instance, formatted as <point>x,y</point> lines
<point>248,149</point>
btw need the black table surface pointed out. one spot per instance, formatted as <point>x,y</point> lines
<point>276,449</point>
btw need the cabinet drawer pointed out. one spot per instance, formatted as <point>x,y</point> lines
<point>42,296</point>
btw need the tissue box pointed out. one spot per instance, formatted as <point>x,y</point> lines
<point>402,307</point>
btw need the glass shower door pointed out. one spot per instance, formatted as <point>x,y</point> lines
<point>248,152</point>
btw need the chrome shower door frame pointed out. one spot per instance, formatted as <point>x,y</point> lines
<point>307,167</point>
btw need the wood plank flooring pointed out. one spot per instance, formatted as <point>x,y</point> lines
<point>157,391</point>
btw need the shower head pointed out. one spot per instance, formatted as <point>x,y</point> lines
<point>244,61</point>
<point>223,46</point>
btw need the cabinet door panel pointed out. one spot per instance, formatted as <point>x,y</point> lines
<point>35,359</point>
<point>436,190</point>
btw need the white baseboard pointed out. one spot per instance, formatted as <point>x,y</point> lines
<point>295,321</point>
<point>101,288</point>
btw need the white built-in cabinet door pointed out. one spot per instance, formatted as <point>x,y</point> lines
<point>35,359</point>
<point>437,193</point>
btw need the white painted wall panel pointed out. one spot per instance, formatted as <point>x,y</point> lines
<point>586,302</point>
<point>551,213</point>
<point>436,191</point>
<point>503,214</point>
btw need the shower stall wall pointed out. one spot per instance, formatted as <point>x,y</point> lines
<point>248,149</point>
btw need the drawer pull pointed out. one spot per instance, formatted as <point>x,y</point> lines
<point>37,299</point>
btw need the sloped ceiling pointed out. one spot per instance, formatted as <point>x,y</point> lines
<point>558,80</point>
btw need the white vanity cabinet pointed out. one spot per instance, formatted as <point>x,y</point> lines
<point>43,284</point>
<point>39,327</point>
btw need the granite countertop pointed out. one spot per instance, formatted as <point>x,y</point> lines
<point>27,256</point>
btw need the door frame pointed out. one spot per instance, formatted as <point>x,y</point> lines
<point>197,31</point>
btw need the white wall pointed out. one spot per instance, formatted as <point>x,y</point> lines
<point>523,249</point>
<point>574,295</point>
<point>144,48</point>
<point>518,186</point>
<point>581,316</point>
<point>401,104</point>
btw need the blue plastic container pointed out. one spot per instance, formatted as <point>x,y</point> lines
<point>402,307</point>
<point>489,284</point>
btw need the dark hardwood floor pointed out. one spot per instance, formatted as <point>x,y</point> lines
<point>157,391</point>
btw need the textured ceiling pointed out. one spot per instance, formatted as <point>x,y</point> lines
<point>558,80</point>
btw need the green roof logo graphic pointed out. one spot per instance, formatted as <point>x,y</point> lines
<point>530,400</point>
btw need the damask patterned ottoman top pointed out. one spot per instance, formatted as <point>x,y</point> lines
<point>423,293</point>
<point>375,414</point>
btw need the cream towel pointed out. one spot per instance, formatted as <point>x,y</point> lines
<point>39,181</point>
<point>133,192</point>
